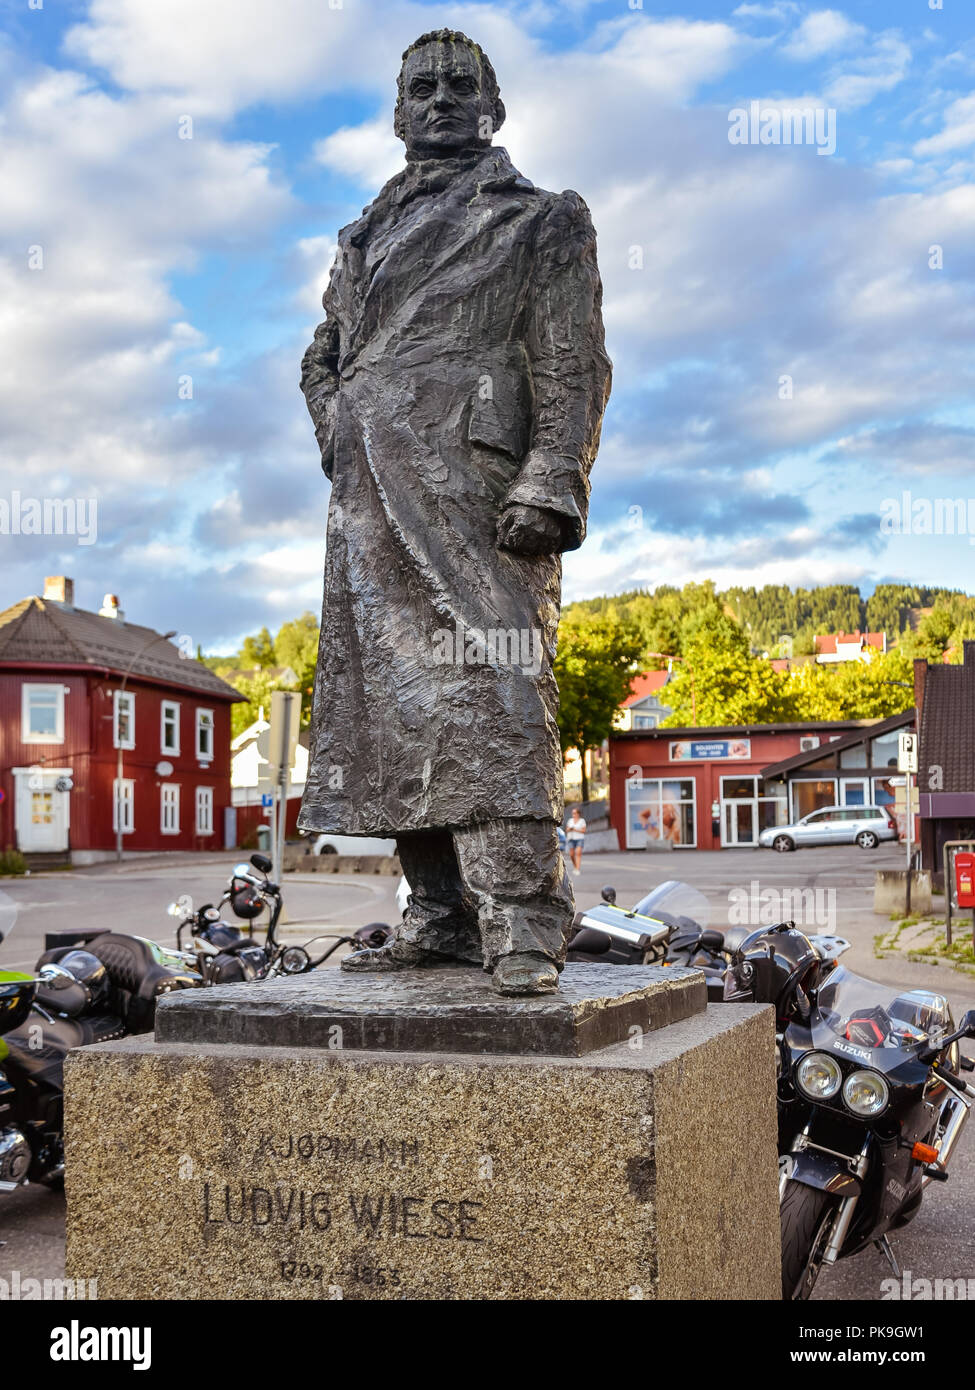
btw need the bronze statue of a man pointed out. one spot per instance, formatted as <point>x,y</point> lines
<point>457,388</point>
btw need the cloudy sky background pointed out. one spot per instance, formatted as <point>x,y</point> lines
<point>206,257</point>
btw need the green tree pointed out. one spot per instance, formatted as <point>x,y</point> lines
<point>871,689</point>
<point>719,681</point>
<point>257,650</point>
<point>596,661</point>
<point>296,645</point>
<point>933,635</point>
<point>257,693</point>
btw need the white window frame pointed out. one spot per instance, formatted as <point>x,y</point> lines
<point>172,709</point>
<point>169,803</point>
<point>200,726</point>
<point>204,810</point>
<point>637,785</point>
<point>128,805</point>
<point>129,697</point>
<point>25,733</point>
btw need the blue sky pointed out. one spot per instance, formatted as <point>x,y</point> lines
<point>174,264</point>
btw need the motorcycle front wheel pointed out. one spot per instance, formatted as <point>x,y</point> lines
<point>806,1216</point>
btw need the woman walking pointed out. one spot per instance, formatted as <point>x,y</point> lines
<point>575,834</point>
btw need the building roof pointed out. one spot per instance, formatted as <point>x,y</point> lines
<point>709,732</point>
<point>647,684</point>
<point>870,729</point>
<point>827,644</point>
<point>948,725</point>
<point>44,632</point>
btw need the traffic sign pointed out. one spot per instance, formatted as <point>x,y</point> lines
<point>267,799</point>
<point>907,752</point>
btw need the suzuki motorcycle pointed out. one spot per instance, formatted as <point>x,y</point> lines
<point>871,1102</point>
<point>41,1018</point>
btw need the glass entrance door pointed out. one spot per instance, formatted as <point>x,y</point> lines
<point>738,825</point>
<point>854,791</point>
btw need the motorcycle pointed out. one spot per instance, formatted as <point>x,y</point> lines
<point>225,954</point>
<point>42,1017</point>
<point>669,927</point>
<point>871,1103</point>
<point>139,970</point>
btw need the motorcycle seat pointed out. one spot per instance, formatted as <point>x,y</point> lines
<point>130,964</point>
<point>37,1048</point>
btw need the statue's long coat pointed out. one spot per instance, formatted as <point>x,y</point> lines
<point>460,367</point>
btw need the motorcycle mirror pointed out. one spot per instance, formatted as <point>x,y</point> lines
<point>608,895</point>
<point>261,861</point>
<point>242,870</point>
<point>966,1029</point>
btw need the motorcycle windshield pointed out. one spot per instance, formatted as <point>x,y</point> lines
<point>873,1023</point>
<point>677,899</point>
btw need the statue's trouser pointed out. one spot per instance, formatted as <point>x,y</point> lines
<point>487,891</point>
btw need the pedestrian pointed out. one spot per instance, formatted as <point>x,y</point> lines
<point>575,832</point>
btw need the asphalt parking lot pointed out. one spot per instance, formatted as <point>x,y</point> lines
<point>836,892</point>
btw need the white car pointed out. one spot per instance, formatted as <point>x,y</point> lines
<point>865,826</point>
<point>352,844</point>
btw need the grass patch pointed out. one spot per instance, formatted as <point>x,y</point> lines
<point>12,863</point>
<point>959,955</point>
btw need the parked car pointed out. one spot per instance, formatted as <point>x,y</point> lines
<point>865,826</point>
<point>352,844</point>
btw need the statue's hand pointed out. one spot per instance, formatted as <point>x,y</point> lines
<point>529,531</point>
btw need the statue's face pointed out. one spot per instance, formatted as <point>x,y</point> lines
<point>442,102</point>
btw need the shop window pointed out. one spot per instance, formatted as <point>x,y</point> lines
<point>855,756</point>
<point>883,749</point>
<point>810,796</point>
<point>825,764</point>
<point>659,809</point>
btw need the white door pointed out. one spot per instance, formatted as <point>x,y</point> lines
<point>41,811</point>
<point>855,791</point>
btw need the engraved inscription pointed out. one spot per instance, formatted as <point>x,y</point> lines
<point>393,1153</point>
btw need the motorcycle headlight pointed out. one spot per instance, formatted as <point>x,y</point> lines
<point>866,1093</point>
<point>818,1076</point>
<point>295,960</point>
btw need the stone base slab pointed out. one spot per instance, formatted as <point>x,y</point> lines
<point>445,1009</point>
<point>644,1170</point>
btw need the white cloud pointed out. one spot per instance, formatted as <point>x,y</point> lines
<point>822,32</point>
<point>369,153</point>
<point>958,132</point>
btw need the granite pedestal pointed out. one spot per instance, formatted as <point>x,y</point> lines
<point>418,1137</point>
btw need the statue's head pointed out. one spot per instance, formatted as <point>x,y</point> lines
<point>448,98</point>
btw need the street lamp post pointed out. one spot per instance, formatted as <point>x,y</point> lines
<point>665,656</point>
<point>117,721</point>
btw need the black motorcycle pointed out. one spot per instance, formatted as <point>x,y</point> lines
<point>668,927</point>
<point>870,1101</point>
<point>225,954</point>
<point>42,1017</point>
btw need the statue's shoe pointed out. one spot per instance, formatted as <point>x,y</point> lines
<point>395,955</point>
<point>521,974</point>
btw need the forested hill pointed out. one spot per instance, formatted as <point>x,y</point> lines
<point>775,611</point>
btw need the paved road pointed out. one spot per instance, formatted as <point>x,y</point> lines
<point>939,1242</point>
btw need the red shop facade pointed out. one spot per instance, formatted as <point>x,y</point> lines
<point>718,788</point>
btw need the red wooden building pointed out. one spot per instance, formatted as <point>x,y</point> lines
<point>77,689</point>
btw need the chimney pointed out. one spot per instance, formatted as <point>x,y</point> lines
<point>60,589</point>
<point>110,608</point>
